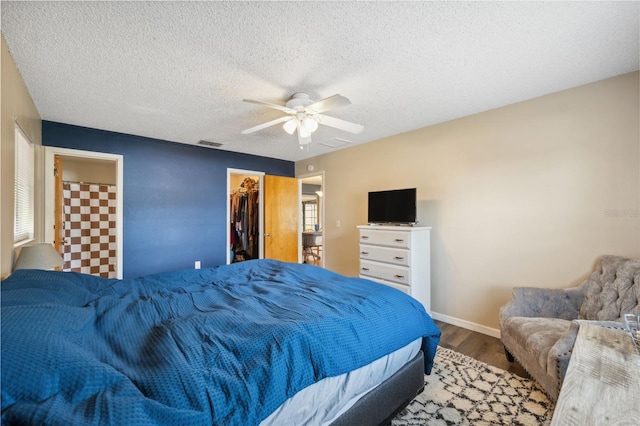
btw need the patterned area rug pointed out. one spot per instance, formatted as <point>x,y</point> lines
<point>463,391</point>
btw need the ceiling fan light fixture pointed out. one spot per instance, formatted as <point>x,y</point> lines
<point>310,124</point>
<point>290,126</point>
<point>303,130</point>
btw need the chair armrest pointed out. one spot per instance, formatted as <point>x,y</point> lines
<point>560,353</point>
<point>543,302</point>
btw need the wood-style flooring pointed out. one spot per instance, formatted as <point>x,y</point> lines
<point>480,346</point>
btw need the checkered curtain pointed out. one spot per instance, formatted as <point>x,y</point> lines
<point>90,229</point>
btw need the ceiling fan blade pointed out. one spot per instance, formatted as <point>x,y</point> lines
<point>331,102</point>
<point>338,123</point>
<point>275,106</point>
<point>302,140</point>
<point>267,124</point>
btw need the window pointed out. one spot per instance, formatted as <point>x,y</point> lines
<point>23,223</point>
<point>309,215</point>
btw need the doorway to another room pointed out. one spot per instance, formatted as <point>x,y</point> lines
<point>83,210</point>
<point>312,215</point>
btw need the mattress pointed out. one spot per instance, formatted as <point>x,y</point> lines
<point>324,401</point>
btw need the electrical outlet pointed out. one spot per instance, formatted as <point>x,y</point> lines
<point>197,265</point>
<point>338,223</point>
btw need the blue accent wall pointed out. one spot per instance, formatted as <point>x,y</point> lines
<point>174,195</point>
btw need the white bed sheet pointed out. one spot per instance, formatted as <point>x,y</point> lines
<point>324,401</point>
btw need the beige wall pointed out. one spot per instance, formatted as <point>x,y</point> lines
<point>525,195</point>
<point>16,105</point>
<point>89,171</point>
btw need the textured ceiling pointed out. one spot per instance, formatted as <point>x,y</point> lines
<point>178,71</point>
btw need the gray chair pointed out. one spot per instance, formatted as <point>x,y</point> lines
<point>539,326</point>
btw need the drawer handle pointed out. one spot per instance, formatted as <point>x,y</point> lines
<point>364,269</point>
<point>364,237</point>
<point>399,276</point>
<point>399,240</point>
<point>364,253</point>
<point>399,258</point>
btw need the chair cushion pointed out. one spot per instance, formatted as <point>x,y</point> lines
<point>536,335</point>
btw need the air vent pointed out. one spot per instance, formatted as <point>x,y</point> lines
<point>336,143</point>
<point>210,143</point>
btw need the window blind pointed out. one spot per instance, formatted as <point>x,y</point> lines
<point>310,215</point>
<point>23,224</point>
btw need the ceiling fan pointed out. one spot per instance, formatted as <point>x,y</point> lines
<point>304,115</point>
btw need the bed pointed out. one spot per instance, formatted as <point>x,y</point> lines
<point>257,342</point>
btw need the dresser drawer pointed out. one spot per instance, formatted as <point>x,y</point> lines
<point>383,271</point>
<point>385,238</point>
<point>403,288</point>
<point>397,256</point>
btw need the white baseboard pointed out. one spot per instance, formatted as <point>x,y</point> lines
<point>494,332</point>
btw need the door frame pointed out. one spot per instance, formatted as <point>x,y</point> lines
<point>49,192</point>
<point>231,171</point>
<point>322,216</point>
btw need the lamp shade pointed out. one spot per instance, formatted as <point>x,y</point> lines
<point>290,126</point>
<point>310,124</point>
<point>303,131</point>
<point>38,256</point>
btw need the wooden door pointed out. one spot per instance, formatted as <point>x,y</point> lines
<point>58,241</point>
<point>281,218</point>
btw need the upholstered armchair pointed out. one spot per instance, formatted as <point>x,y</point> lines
<point>539,326</point>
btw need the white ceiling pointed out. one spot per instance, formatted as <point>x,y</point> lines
<point>178,71</point>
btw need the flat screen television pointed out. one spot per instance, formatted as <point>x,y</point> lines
<point>397,206</point>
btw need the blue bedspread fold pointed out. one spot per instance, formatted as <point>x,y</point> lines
<point>224,345</point>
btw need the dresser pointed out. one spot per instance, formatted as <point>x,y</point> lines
<point>398,256</point>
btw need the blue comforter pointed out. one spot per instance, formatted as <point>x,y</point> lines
<point>225,345</point>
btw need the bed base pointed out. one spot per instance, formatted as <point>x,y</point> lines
<point>380,405</point>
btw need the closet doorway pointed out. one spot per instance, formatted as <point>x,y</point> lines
<point>83,210</point>
<point>245,222</point>
<point>277,235</point>
<point>312,218</point>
